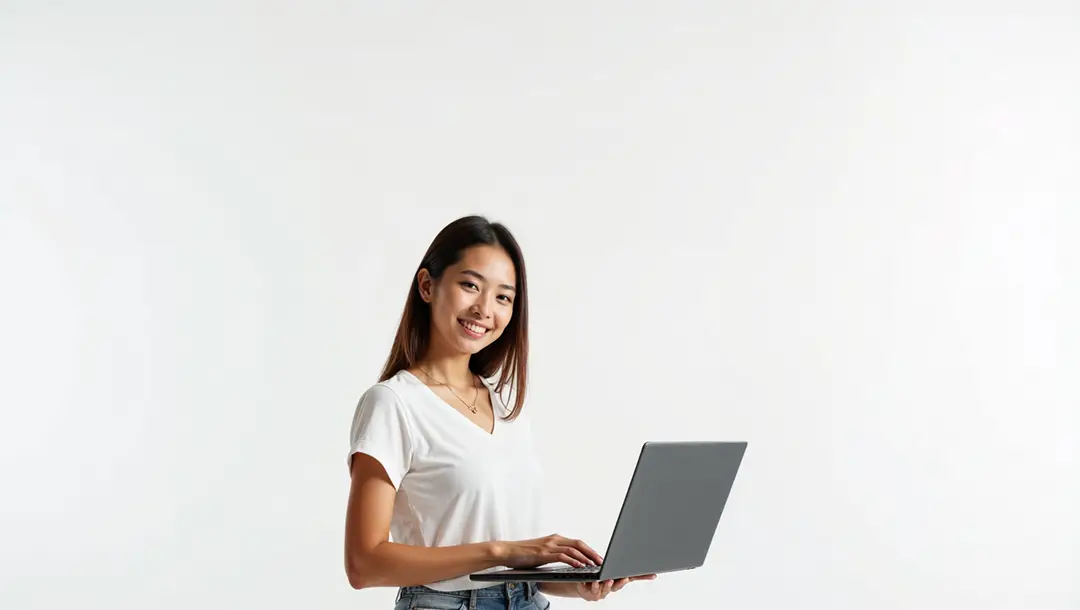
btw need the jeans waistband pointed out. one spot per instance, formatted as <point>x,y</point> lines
<point>498,591</point>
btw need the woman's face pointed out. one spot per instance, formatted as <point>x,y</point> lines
<point>473,301</point>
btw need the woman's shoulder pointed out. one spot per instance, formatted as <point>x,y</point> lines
<point>396,390</point>
<point>385,403</point>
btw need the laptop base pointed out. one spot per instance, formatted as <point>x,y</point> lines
<point>589,574</point>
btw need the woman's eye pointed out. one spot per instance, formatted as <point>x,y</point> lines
<point>468,285</point>
<point>506,298</point>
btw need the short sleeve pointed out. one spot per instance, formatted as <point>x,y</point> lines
<point>380,429</point>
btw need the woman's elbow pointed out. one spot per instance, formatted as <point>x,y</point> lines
<point>358,577</point>
<point>356,580</point>
<point>358,573</point>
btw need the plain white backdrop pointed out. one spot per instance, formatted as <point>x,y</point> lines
<point>847,235</point>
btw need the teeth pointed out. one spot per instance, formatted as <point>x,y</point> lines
<point>476,329</point>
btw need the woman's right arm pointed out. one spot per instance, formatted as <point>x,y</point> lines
<point>371,560</point>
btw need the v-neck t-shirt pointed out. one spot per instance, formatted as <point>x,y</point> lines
<point>456,482</point>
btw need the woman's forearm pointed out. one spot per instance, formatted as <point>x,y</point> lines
<point>390,564</point>
<point>559,589</point>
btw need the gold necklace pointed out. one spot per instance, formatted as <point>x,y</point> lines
<point>471,407</point>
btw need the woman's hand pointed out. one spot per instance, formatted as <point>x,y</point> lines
<point>596,591</point>
<point>549,549</point>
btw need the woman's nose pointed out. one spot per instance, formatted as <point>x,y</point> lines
<point>481,307</point>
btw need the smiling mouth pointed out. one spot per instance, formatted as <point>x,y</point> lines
<point>472,329</point>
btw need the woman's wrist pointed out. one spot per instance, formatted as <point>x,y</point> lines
<point>496,552</point>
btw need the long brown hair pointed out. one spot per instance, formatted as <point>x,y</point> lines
<point>509,354</point>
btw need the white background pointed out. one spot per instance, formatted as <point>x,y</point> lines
<point>846,235</point>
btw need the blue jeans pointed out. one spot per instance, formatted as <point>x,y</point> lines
<point>506,596</point>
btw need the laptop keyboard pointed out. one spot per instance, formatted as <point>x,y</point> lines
<point>573,570</point>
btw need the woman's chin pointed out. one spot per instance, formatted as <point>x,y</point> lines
<point>467,346</point>
<point>471,348</point>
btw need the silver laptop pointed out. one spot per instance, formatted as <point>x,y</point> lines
<point>668,517</point>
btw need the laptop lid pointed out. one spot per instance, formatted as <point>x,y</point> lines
<point>672,507</point>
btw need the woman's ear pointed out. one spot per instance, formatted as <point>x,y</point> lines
<point>425,285</point>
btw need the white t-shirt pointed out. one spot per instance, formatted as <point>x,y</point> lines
<point>456,483</point>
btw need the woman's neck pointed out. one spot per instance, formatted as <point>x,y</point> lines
<point>444,368</point>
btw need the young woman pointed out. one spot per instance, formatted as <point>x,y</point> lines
<point>438,459</point>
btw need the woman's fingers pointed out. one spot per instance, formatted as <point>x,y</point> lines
<point>590,555</point>
<point>576,554</point>
<point>588,551</point>
<point>595,591</point>
<point>567,559</point>
<point>576,558</point>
